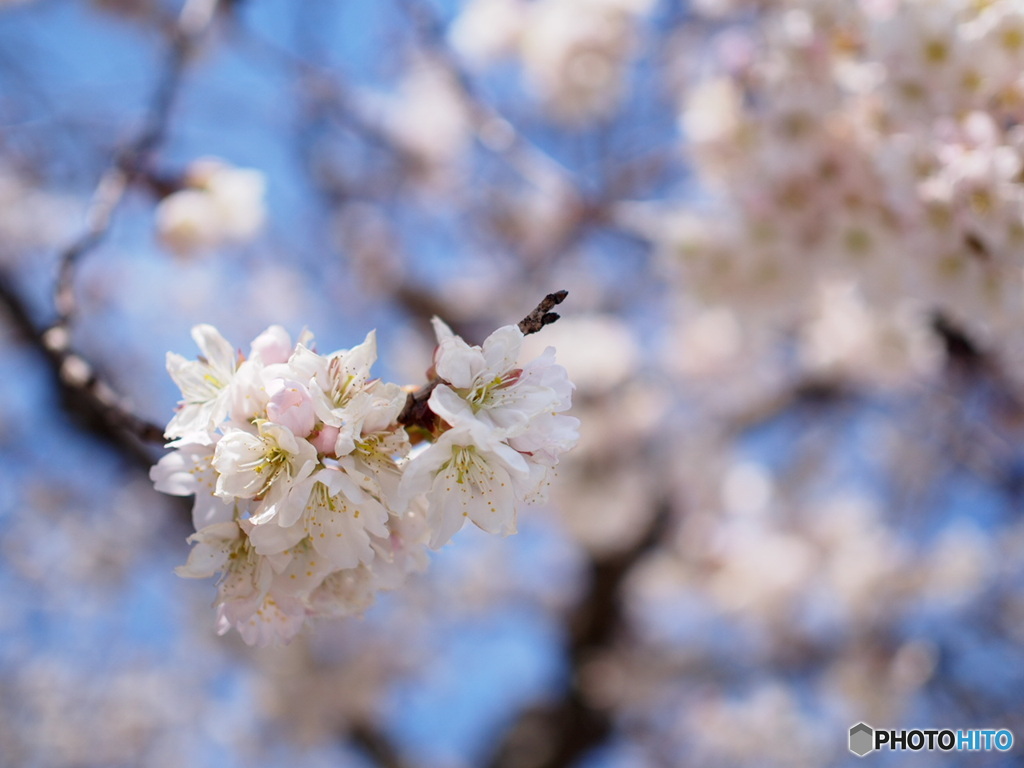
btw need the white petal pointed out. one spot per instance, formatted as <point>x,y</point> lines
<point>215,348</point>
<point>307,366</point>
<point>212,548</point>
<point>272,539</point>
<point>237,455</point>
<point>458,363</point>
<point>360,359</point>
<point>289,510</point>
<point>189,470</point>
<point>277,619</point>
<point>448,510</point>
<point>501,349</point>
<point>447,404</point>
<point>339,481</point>
<point>304,573</point>
<point>441,329</point>
<point>344,593</point>
<point>418,474</point>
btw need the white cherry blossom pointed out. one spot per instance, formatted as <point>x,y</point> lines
<point>219,205</point>
<point>204,383</point>
<point>335,514</point>
<point>263,466</point>
<point>484,383</point>
<point>468,474</point>
<point>188,470</point>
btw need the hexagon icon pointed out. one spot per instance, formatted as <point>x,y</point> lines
<point>862,739</point>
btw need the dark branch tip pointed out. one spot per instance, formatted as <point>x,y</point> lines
<point>542,315</point>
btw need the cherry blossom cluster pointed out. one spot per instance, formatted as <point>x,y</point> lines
<point>872,145</point>
<point>574,52</point>
<point>309,495</point>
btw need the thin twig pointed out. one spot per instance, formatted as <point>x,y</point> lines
<point>416,415</point>
<point>131,160</point>
<point>83,389</point>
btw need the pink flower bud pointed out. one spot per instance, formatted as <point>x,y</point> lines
<point>274,345</point>
<point>291,406</point>
<point>325,439</point>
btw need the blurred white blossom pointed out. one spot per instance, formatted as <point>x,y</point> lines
<point>219,205</point>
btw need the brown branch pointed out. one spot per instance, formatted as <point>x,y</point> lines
<point>961,350</point>
<point>376,745</point>
<point>558,734</point>
<point>416,416</point>
<point>94,405</point>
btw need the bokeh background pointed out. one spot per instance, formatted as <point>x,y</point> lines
<point>791,231</point>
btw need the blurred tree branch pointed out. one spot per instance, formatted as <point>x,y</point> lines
<point>377,746</point>
<point>92,403</point>
<point>132,160</point>
<point>84,393</point>
<point>557,734</point>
